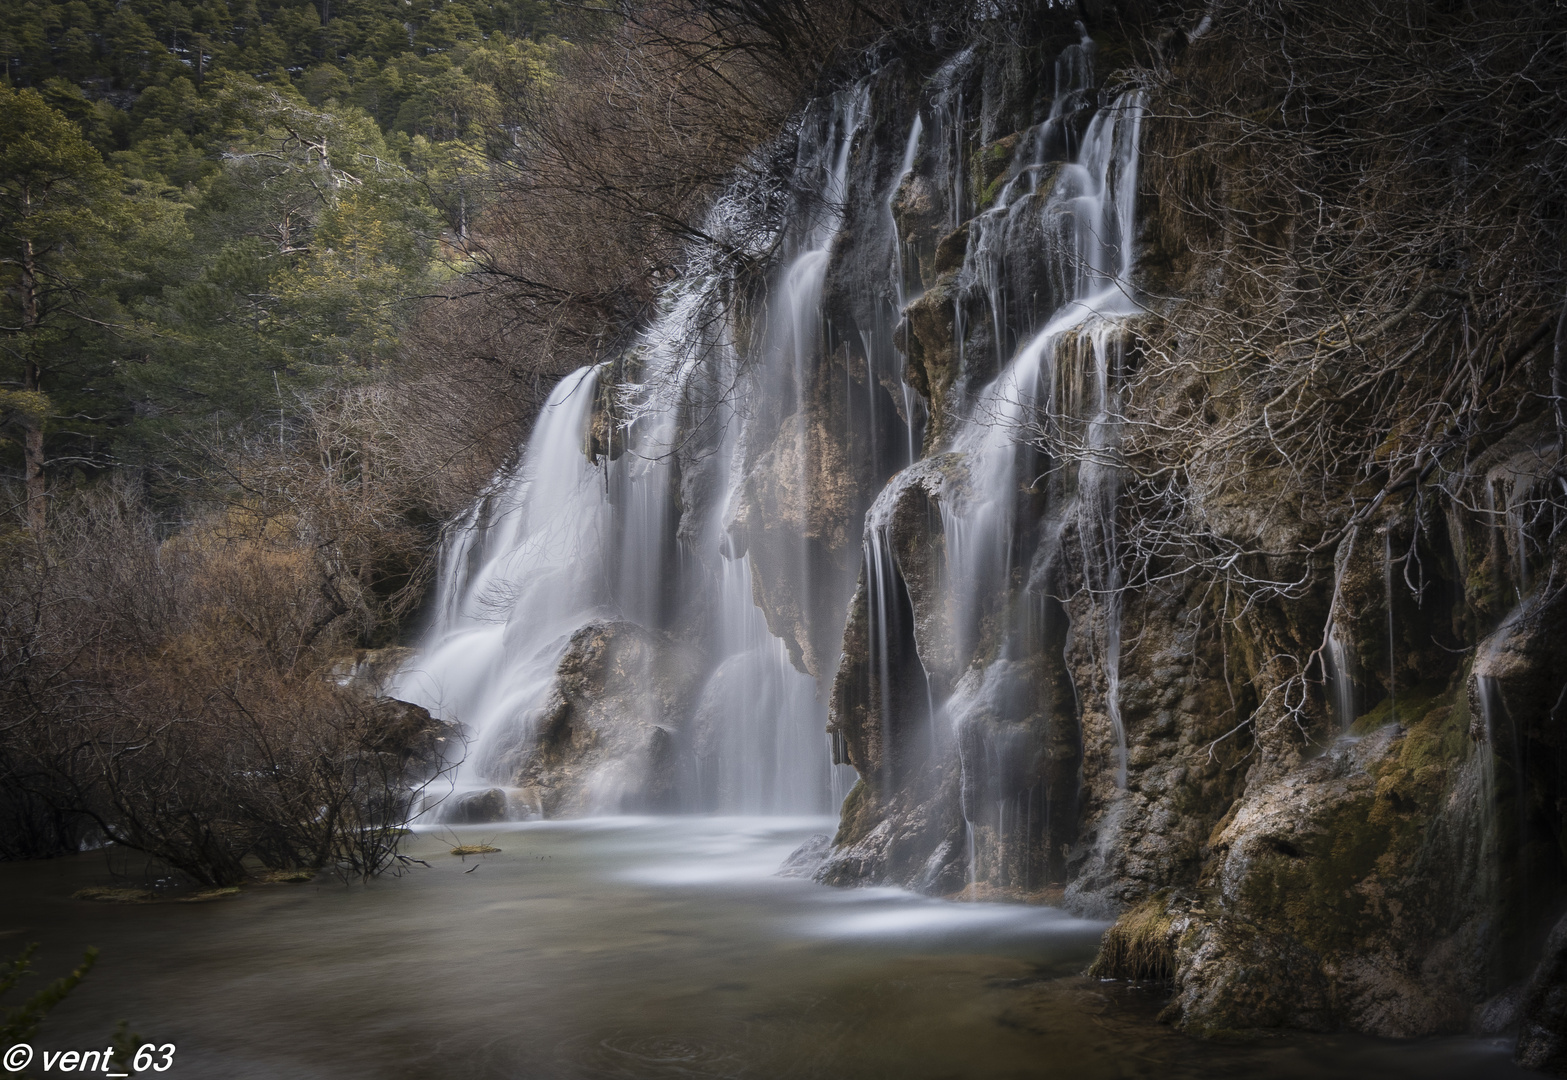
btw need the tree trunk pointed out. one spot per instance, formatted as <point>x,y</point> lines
<point>32,381</point>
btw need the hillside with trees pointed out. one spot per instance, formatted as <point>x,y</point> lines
<point>284,285</point>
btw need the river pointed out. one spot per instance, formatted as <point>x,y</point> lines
<point>626,948</point>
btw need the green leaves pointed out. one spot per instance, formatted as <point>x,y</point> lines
<point>51,180</point>
<point>232,203</point>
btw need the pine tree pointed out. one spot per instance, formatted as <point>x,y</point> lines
<point>56,199</point>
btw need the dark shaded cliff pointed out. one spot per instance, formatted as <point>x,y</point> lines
<point>1326,750</point>
<point>1146,427</point>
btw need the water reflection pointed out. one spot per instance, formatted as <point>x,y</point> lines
<point>636,948</point>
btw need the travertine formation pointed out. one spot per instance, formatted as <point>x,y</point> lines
<point>1335,805</point>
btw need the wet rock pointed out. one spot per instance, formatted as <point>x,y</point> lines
<point>920,211</point>
<point>1341,898</point>
<point>931,340</point>
<point>806,859</point>
<point>1542,1035</point>
<point>477,808</point>
<point>1499,1014</point>
<point>605,738</point>
<point>950,250</point>
<point>914,838</point>
<point>800,497</point>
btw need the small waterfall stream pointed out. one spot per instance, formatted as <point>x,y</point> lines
<point>1047,425</point>
<point>1338,660</point>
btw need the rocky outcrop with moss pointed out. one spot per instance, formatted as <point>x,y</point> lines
<point>1341,567</point>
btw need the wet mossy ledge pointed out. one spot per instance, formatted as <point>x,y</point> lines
<point>117,895</point>
<point>1138,946</point>
<point>176,890</point>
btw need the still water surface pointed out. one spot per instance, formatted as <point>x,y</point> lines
<point>640,949</point>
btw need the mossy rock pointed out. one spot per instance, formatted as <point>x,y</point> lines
<point>106,895</point>
<point>992,167</point>
<point>211,894</point>
<point>474,849</point>
<point>298,876</point>
<point>1138,947</point>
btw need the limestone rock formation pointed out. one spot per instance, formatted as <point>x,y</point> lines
<point>604,742</point>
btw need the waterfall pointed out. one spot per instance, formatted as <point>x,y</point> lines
<point>633,513</point>
<point>534,542</point>
<point>949,135</point>
<point>912,404</point>
<point>1047,425</point>
<point>1338,660</point>
<point>1029,457</point>
<point>622,511</point>
<point>1500,763</point>
<point>1392,644</point>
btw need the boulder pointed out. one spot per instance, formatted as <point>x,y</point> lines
<point>477,808</point>
<point>604,741</point>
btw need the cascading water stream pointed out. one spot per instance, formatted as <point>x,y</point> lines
<point>1057,397</point>
<point>534,542</point>
<point>900,279</point>
<point>1501,764</point>
<point>1059,393</point>
<point>984,263</point>
<point>1387,599</point>
<point>948,132</point>
<point>1340,680</point>
<point>581,533</point>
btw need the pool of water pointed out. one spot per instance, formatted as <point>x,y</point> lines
<point>626,948</point>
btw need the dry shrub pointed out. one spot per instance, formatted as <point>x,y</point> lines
<point>1358,233</point>
<point>173,696</point>
<point>1355,231</point>
<point>617,159</point>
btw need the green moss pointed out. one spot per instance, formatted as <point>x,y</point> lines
<point>1138,946</point>
<point>1331,890</point>
<point>857,805</point>
<point>1311,889</point>
<point>1407,706</point>
<point>987,197</point>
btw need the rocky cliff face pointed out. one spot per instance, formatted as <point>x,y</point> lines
<point>1332,772</point>
<point>1165,541</point>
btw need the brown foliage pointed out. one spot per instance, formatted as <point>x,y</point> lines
<point>1358,236</point>
<point>174,696</point>
<point>617,160</point>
